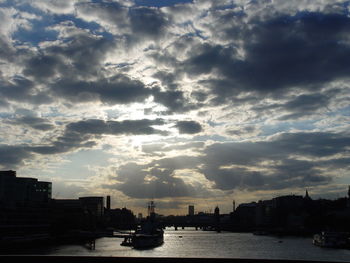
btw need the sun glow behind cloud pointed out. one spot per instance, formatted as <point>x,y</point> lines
<point>176,100</point>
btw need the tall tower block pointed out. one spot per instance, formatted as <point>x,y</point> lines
<point>191,210</point>
<point>108,202</point>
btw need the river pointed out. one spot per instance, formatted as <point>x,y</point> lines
<point>207,244</point>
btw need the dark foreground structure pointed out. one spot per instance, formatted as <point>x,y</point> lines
<point>70,259</point>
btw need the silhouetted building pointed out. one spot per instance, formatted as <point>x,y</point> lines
<point>108,202</point>
<point>244,215</point>
<point>122,218</point>
<point>24,205</point>
<point>191,210</point>
<point>288,210</point>
<point>264,213</point>
<point>85,213</point>
<point>92,205</point>
<point>67,214</point>
<point>22,191</point>
<point>7,188</point>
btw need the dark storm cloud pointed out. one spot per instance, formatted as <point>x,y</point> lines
<point>157,179</point>
<point>21,89</point>
<point>188,127</point>
<point>119,89</point>
<point>67,142</point>
<point>303,105</point>
<point>68,62</point>
<point>287,160</point>
<point>170,187</point>
<point>112,12</point>
<point>295,172</point>
<point>243,131</point>
<point>132,127</point>
<point>74,71</point>
<point>167,79</point>
<point>161,182</point>
<point>230,165</point>
<point>83,134</point>
<point>81,56</point>
<point>42,67</point>
<point>174,100</point>
<point>136,23</point>
<point>73,67</point>
<point>316,144</point>
<point>7,52</point>
<point>12,156</point>
<point>162,57</point>
<point>148,22</point>
<point>308,102</point>
<point>4,103</point>
<point>304,50</point>
<point>33,122</point>
<point>18,89</point>
<point>172,97</point>
<point>85,53</point>
<point>76,135</point>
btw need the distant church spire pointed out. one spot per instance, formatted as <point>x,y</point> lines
<point>307,197</point>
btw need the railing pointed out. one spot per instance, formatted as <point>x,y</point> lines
<point>85,259</point>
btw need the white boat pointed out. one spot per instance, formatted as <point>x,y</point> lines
<point>331,239</point>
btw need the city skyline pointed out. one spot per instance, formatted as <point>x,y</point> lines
<point>181,102</point>
<point>15,189</point>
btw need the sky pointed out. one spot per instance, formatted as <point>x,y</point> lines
<point>181,102</point>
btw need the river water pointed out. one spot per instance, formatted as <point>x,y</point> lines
<point>207,244</point>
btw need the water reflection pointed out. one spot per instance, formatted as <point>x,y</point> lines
<point>192,243</point>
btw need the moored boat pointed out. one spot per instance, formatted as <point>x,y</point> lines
<point>149,234</point>
<point>331,239</point>
<point>141,241</point>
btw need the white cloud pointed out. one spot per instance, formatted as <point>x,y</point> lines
<point>55,6</point>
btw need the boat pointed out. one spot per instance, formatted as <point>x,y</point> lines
<point>144,238</point>
<point>149,234</point>
<point>148,240</point>
<point>127,242</point>
<point>329,239</point>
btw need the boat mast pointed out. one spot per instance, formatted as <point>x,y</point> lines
<point>151,208</point>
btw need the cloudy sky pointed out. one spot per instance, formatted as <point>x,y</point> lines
<point>181,102</point>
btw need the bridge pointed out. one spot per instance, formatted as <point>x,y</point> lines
<point>197,226</point>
